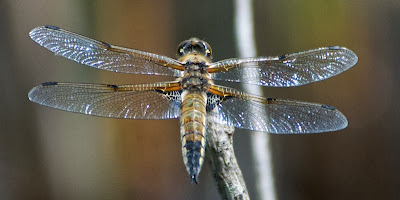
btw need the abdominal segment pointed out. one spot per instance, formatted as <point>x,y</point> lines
<point>193,130</point>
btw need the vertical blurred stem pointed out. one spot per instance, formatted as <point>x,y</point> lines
<point>260,142</point>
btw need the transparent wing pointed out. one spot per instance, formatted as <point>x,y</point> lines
<point>287,70</point>
<point>269,115</point>
<point>104,56</point>
<point>146,101</point>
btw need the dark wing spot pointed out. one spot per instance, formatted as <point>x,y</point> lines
<point>282,57</point>
<point>334,47</point>
<point>52,27</point>
<point>115,87</point>
<point>49,83</point>
<point>106,44</point>
<point>160,91</point>
<point>271,99</point>
<point>328,107</point>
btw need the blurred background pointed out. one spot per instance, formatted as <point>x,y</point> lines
<point>51,154</point>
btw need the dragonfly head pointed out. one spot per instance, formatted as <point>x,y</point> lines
<point>195,46</point>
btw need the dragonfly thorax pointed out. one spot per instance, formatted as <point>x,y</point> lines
<point>195,80</point>
<point>195,75</point>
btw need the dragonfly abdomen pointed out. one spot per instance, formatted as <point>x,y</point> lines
<point>193,130</point>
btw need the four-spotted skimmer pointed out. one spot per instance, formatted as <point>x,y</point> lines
<point>192,96</point>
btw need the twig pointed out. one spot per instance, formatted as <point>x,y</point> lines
<point>224,166</point>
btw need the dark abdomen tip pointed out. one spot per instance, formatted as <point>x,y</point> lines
<point>193,179</point>
<point>194,159</point>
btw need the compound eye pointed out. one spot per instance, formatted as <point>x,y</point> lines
<point>180,51</point>
<point>208,52</point>
<point>184,47</point>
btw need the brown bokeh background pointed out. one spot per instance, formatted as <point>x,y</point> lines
<point>51,154</point>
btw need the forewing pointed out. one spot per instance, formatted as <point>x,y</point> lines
<point>104,56</point>
<point>146,101</point>
<point>287,70</point>
<point>269,115</point>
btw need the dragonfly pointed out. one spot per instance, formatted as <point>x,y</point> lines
<point>192,96</point>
